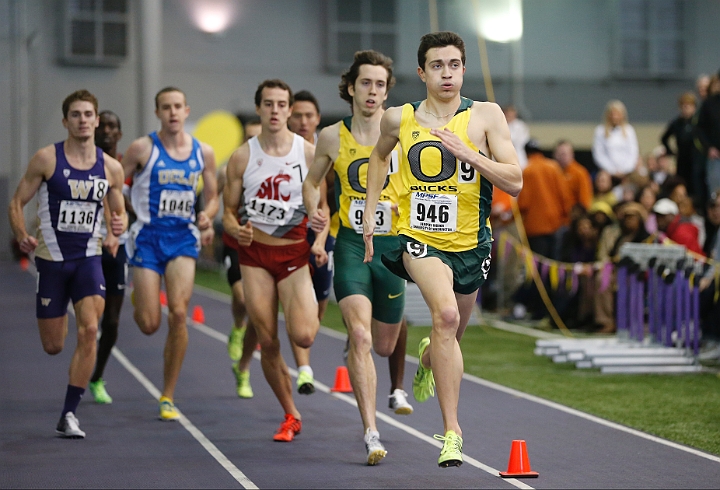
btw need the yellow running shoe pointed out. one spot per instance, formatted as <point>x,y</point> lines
<point>167,409</point>
<point>97,388</point>
<point>242,381</point>
<point>305,383</point>
<point>451,453</point>
<point>424,382</point>
<point>235,343</point>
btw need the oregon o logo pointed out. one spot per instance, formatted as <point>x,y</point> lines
<point>448,162</point>
<point>353,173</point>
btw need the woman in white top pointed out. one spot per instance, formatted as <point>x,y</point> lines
<point>615,146</point>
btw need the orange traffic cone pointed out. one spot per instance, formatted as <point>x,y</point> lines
<point>24,263</point>
<point>519,464</point>
<point>198,315</point>
<point>342,381</point>
<point>163,298</point>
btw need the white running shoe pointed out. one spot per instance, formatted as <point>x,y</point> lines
<point>398,403</point>
<point>69,427</point>
<point>375,450</point>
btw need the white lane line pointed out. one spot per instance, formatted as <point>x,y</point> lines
<point>189,426</point>
<point>211,332</point>
<point>536,399</point>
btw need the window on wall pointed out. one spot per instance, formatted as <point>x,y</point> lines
<point>651,38</point>
<point>357,25</point>
<point>95,32</point>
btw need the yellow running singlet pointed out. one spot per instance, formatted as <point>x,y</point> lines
<point>443,203</point>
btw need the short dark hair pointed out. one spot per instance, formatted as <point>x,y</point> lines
<point>272,83</point>
<point>439,40</point>
<point>367,57</point>
<point>165,91</point>
<point>306,96</point>
<point>83,95</point>
<point>112,114</point>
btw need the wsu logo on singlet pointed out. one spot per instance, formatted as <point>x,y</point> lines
<point>270,188</point>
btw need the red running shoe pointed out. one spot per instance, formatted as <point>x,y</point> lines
<point>288,429</point>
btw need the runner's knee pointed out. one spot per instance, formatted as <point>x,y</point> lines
<point>269,345</point>
<point>87,335</point>
<point>360,339</point>
<point>447,318</point>
<point>148,323</point>
<point>52,347</point>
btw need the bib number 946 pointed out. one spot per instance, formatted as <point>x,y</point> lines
<point>433,212</point>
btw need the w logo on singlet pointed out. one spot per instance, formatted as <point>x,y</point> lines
<point>270,189</point>
<point>80,188</point>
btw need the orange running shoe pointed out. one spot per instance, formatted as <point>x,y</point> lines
<point>288,429</point>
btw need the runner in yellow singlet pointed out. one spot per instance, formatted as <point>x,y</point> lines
<point>444,232</point>
<point>371,298</point>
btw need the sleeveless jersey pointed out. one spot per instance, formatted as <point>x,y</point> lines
<point>444,203</point>
<point>272,190</point>
<point>70,207</point>
<point>351,168</point>
<point>163,192</point>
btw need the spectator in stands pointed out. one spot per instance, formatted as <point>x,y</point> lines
<point>579,247</point>
<point>544,204</point>
<point>630,229</point>
<point>502,281</point>
<point>544,201</point>
<point>682,130</point>
<point>674,227</point>
<point>647,196</point>
<point>602,215</point>
<point>674,188</point>
<point>578,177</point>
<point>709,307</point>
<point>711,248</point>
<point>689,214</point>
<point>615,146</point>
<point>708,132</point>
<point>579,184</point>
<point>701,84</point>
<point>604,189</point>
<point>519,133</point>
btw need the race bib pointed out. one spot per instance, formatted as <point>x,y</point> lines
<point>433,212</point>
<point>269,212</point>
<point>77,216</point>
<point>383,216</point>
<point>178,204</point>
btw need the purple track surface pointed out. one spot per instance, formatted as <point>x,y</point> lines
<point>128,447</point>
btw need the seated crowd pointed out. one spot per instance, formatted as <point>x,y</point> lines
<point>572,216</point>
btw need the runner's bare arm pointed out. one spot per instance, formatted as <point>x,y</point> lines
<point>377,172</point>
<point>313,190</point>
<point>232,195</point>
<point>221,178</point>
<point>137,155</point>
<point>42,165</point>
<point>115,200</point>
